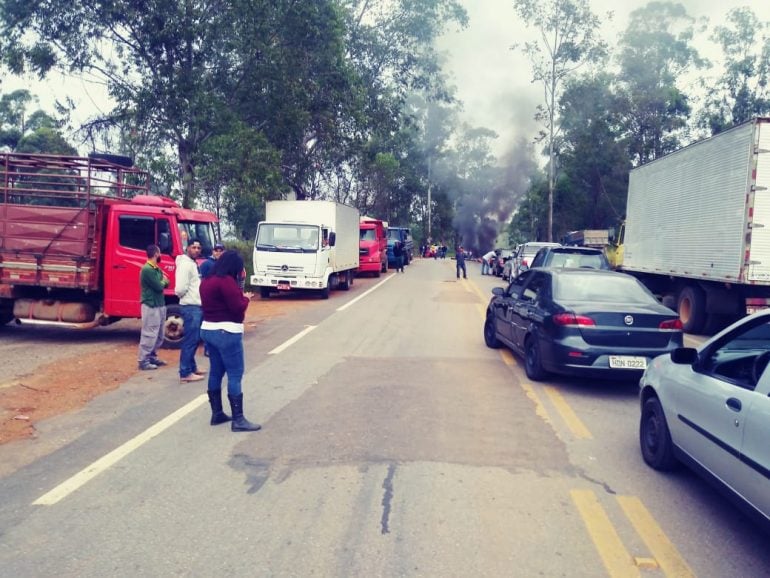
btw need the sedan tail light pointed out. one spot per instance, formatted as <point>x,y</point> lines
<point>565,319</point>
<point>671,325</point>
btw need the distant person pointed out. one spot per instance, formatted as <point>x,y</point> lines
<point>152,282</point>
<point>398,253</point>
<point>208,265</point>
<point>486,262</point>
<point>187,288</point>
<point>224,309</point>
<point>460,256</point>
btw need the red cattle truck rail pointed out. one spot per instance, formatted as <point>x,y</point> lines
<point>73,238</point>
<point>373,246</point>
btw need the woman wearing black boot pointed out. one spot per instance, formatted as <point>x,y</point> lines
<point>224,307</point>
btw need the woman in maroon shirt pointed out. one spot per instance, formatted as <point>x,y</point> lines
<point>224,307</point>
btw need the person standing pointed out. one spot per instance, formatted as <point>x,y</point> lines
<point>208,265</point>
<point>224,308</point>
<point>460,256</point>
<point>152,282</point>
<point>187,288</point>
<point>398,253</point>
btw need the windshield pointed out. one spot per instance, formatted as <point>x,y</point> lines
<point>368,235</point>
<point>395,234</point>
<point>203,232</point>
<point>279,237</point>
<point>600,288</point>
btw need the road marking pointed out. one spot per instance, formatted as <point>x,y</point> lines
<point>613,553</point>
<point>577,427</point>
<point>292,341</point>
<point>666,555</point>
<point>365,293</point>
<point>82,477</point>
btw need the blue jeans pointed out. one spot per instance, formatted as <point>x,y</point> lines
<point>192,316</point>
<point>225,356</point>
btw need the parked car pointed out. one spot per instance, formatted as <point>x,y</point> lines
<point>709,408</point>
<point>581,322</point>
<point>586,257</point>
<point>525,255</point>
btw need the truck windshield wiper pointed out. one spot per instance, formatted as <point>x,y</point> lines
<point>266,247</point>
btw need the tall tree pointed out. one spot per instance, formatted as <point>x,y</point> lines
<point>569,38</point>
<point>742,91</point>
<point>655,53</point>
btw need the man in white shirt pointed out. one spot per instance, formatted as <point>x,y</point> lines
<point>187,288</point>
<point>486,260</point>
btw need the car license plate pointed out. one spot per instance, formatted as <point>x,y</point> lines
<point>627,362</point>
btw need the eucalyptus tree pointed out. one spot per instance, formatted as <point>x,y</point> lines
<point>742,91</point>
<point>568,39</point>
<point>593,153</point>
<point>655,53</point>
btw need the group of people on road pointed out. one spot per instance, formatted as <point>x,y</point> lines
<point>213,306</point>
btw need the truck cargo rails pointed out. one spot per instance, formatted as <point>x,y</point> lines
<point>74,233</point>
<point>697,230</point>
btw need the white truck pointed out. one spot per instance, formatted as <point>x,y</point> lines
<point>697,230</point>
<point>306,245</point>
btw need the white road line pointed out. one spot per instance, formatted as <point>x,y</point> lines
<point>365,293</point>
<point>293,340</point>
<point>82,477</point>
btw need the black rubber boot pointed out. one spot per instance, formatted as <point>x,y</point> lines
<point>217,414</point>
<point>240,423</point>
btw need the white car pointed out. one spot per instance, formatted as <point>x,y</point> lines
<point>710,409</point>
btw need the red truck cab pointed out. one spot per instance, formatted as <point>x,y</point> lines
<point>373,246</point>
<point>73,238</point>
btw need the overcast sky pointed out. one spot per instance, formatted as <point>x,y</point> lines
<point>494,82</point>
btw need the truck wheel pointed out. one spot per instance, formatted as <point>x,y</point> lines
<point>6,317</point>
<point>173,328</point>
<point>377,273</point>
<point>325,293</point>
<point>384,267</point>
<point>264,292</point>
<point>692,309</point>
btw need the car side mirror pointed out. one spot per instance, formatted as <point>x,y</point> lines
<point>684,355</point>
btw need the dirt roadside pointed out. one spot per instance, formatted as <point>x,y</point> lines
<point>77,373</point>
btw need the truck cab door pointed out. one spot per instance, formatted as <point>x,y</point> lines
<point>128,236</point>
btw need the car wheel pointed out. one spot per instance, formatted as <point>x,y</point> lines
<point>654,437</point>
<point>533,364</point>
<point>490,335</point>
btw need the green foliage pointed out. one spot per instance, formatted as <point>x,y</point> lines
<point>741,92</point>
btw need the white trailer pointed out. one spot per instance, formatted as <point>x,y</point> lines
<point>697,229</point>
<point>306,245</point>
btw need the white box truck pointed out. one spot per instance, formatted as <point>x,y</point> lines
<point>306,245</point>
<point>697,230</point>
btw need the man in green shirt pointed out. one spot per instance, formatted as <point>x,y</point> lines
<point>152,281</point>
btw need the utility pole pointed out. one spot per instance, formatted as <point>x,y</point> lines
<point>430,238</point>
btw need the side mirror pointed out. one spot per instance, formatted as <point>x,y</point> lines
<point>684,355</point>
<point>332,239</point>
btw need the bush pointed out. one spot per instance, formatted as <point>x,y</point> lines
<point>246,251</point>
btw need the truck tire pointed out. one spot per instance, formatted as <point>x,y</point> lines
<point>173,328</point>
<point>264,292</point>
<point>325,292</point>
<point>691,306</point>
<point>346,282</point>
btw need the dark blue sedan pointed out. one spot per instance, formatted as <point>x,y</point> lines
<point>581,322</point>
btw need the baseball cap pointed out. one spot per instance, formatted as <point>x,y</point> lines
<point>219,247</point>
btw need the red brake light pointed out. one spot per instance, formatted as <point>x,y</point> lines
<point>565,319</point>
<point>671,325</point>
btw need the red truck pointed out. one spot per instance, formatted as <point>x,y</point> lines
<point>373,246</point>
<point>73,238</point>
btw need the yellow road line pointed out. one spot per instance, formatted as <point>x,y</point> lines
<point>667,556</point>
<point>577,427</point>
<point>613,553</point>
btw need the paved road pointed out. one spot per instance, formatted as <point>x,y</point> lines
<point>394,444</point>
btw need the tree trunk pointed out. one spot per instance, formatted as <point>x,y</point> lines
<point>186,173</point>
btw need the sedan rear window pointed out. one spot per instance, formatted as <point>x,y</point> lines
<point>605,288</point>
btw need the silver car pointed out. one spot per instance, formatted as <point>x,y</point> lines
<point>525,255</point>
<point>710,409</point>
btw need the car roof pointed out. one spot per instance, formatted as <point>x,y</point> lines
<point>541,244</point>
